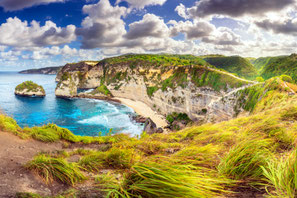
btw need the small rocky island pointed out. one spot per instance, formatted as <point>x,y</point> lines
<point>29,89</point>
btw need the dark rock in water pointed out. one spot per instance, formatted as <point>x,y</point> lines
<point>139,118</point>
<point>150,127</point>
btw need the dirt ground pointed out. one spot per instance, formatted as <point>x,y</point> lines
<point>14,153</point>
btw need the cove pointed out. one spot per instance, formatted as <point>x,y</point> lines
<point>85,117</point>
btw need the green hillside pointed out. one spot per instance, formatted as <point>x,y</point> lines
<point>233,64</point>
<point>262,62</point>
<point>280,65</point>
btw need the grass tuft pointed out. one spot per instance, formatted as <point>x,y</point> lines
<point>58,169</point>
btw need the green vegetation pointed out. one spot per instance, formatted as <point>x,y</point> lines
<point>262,62</point>
<point>256,151</point>
<point>283,65</point>
<point>281,174</point>
<point>178,117</point>
<point>233,64</point>
<point>156,60</point>
<point>156,180</point>
<point>56,169</point>
<point>29,86</point>
<point>286,78</point>
<point>245,160</point>
<point>102,90</point>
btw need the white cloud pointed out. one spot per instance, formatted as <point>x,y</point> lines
<point>104,26</point>
<point>20,34</point>
<point>150,26</point>
<point>193,30</point>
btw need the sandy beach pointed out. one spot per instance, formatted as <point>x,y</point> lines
<point>144,110</point>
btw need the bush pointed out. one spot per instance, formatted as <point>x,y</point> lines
<point>102,90</point>
<point>286,78</point>
<point>55,169</point>
<point>260,79</point>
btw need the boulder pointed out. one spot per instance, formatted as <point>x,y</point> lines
<point>29,89</point>
<point>150,127</point>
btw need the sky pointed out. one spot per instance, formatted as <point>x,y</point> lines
<point>43,33</point>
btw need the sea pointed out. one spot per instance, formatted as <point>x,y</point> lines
<point>86,117</point>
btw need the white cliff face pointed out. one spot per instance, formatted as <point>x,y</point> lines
<point>68,87</point>
<point>200,103</point>
<point>27,92</point>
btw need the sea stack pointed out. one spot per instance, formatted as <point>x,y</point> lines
<point>29,89</point>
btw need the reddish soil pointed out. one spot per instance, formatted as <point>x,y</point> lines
<point>14,154</point>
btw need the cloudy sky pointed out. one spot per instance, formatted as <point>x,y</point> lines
<point>40,33</point>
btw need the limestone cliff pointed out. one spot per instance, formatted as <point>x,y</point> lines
<point>167,83</point>
<point>30,89</point>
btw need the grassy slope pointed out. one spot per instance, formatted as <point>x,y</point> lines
<point>281,65</point>
<point>262,62</point>
<point>233,64</point>
<point>257,150</point>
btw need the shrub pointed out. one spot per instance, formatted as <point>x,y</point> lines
<point>102,90</point>
<point>260,79</point>
<point>286,78</point>
<point>55,169</point>
<point>151,91</point>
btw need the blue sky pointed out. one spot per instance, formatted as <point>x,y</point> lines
<point>41,33</point>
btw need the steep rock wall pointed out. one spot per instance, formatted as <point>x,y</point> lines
<point>202,93</point>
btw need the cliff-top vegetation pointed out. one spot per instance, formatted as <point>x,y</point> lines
<point>29,86</point>
<point>254,155</point>
<point>233,64</point>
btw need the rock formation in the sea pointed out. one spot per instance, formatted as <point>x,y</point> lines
<point>29,89</point>
<point>46,70</point>
<point>166,83</point>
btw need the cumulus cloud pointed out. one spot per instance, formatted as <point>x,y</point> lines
<point>20,34</point>
<point>12,5</point>
<point>182,11</point>
<point>104,26</point>
<point>150,26</point>
<point>233,8</point>
<point>142,3</point>
<point>223,36</point>
<point>193,30</point>
<point>287,26</point>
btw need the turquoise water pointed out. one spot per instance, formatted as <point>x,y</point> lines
<point>81,116</point>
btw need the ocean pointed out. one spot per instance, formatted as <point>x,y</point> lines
<point>87,117</point>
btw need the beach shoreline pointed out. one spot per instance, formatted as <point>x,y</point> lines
<point>144,110</point>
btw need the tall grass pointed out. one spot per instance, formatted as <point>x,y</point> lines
<point>245,159</point>
<point>114,158</point>
<point>51,169</point>
<point>170,181</point>
<point>282,175</point>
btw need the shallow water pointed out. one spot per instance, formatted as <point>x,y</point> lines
<point>81,116</point>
